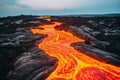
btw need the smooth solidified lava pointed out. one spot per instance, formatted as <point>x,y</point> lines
<point>65,48</point>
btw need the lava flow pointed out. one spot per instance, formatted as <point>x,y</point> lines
<point>72,65</point>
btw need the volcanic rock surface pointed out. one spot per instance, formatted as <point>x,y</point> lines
<point>20,59</point>
<point>17,43</point>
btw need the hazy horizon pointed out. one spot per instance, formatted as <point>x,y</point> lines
<point>58,7</point>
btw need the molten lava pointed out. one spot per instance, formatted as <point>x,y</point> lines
<point>73,65</point>
<point>45,18</point>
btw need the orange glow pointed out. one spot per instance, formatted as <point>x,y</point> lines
<point>73,65</point>
<point>45,17</point>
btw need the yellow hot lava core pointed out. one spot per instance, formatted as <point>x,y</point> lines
<point>73,65</point>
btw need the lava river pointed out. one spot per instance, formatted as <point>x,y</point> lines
<point>72,65</point>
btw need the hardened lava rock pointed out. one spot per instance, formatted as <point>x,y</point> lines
<point>98,54</point>
<point>32,65</point>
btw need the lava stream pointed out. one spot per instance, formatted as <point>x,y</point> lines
<point>73,65</point>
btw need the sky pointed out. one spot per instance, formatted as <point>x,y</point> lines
<point>58,7</point>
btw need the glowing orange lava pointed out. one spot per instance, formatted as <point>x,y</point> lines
<point>73,65</point>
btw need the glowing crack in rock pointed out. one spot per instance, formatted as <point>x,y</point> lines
<point>72,65</point>
<point>45,18</point>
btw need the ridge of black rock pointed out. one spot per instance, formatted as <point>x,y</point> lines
<point>97,54</point>
<point>32,65</point>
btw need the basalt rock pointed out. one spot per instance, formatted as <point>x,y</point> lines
<point>34,64</point>
<point>15,39</point>
<point>96,53</point>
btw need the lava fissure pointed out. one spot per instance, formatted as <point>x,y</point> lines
<point>72,65</point>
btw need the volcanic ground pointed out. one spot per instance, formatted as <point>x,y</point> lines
<point>60,48</point>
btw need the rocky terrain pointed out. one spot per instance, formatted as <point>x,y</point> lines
<point>17,40</point>
<point>102,36</point>
<point>20,59</point>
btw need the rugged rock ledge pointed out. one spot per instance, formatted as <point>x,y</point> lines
<point>32,65</point>
<point>97,54</point>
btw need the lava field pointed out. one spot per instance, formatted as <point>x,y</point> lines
<point>60,48</point>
